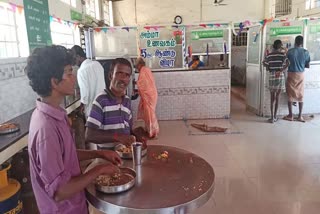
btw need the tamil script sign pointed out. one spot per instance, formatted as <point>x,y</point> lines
<point>314,29</point>
<point>38,23</point>
<point>207,34</point>
<point>290,30</point>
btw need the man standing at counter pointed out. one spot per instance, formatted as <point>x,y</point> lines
<point>195,63</point>
<point>110,119</point>
<point>90,78</point>
<point>299,59</point>
<point>54,161</point>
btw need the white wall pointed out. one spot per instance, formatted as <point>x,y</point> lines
<point>299,9</point>
<point>132,12</point>
<point>62,10</point>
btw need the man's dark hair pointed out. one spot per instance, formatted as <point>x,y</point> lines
<point>298,41</point>
<point>44,64</point>
<point>77,50</point>
<point>277,44</point>
<point>117,61</point>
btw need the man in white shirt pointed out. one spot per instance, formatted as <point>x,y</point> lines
<point>90,78</point>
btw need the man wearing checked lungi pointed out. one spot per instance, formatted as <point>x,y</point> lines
<point>299,59</point>
<point>276,62</point>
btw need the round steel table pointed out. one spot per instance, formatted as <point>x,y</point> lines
<point>178,184</point>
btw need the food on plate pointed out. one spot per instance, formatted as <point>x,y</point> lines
<point>7,126</point>
<point>114,180</point>
<point>125,149</point>
<point>163,156</point>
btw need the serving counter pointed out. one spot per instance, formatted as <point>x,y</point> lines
<point>10,144</point>
<point>191,94</point>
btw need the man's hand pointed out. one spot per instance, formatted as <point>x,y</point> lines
<point>107,169</point>
<point>126,139</point>
<point>110,156</point>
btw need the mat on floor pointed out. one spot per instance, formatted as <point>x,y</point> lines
<point>220,123</point>
<point>307,118</point>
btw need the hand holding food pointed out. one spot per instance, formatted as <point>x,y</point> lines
<point>110,156</point>
<point>107,169</point>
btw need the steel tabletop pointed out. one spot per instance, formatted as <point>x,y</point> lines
<point>177,184</point>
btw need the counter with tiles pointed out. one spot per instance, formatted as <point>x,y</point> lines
<point>192,94</point>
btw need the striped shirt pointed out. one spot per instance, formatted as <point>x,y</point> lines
<point>107,114</point>
<point>275,61</point>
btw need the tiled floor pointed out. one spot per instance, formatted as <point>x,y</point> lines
<point>263,169</point>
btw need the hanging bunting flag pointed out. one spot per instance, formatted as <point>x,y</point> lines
<point>276,20</point>
<point>105,29</point>
<point>286,24</point>
<point>126,28</point>
<point>51,19</point>
<point>241,26</point>
<point>20,9</point>
<point>203,25</point>
<point>13,7</point>
<point>247,23</point>
<point>59,20</point>
<point>156,28</point>
<point>210,25</point>
<point>147,28</point>
<point>112,29</point>
<point>217,25</point>
<point>97,29</point>
<point>256,38</point>
<point>168,27</point>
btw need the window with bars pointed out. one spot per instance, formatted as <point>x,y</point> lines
<point>106,12</point>
<point>283,7</point>
<point>310,4</point>
<point>72,3</point>
<point>240,40</point>
<point>65,34</point>
<point>92,9</point>
<point>13,39</point>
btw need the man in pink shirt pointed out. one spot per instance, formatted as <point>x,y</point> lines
<point>57,181</point>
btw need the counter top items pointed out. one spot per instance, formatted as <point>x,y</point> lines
<point>9,139</point>
<point>8,128</point>
<point>163,185</point>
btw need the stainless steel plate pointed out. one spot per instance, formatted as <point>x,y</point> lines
<point>128,155</point>
<point>4,130</point>
<point>120,188</point>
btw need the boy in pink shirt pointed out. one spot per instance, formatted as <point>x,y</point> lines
<point>57,181</point>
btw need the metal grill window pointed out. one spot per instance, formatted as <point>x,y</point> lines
<point>240,40</point>
<point>310,4</point>
<point>283,7</point>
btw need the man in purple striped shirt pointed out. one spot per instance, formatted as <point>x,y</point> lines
<point>56,178</point>
<point>110,119</point>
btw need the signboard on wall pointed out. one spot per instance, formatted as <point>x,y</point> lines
<point>288,30</point>
<point>314,29</point>
<point>162,48</point>
<point>38,23</point>
<point>207,34</point>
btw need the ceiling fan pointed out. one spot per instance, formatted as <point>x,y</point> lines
<point>219,3</point>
